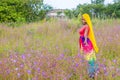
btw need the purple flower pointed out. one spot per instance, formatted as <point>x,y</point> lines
<point>35,63</point>
<point>18,74</point>
<point>29,71</point>
<point>77,65</point>
<point>118,70</point>
<point>79,55</point>
<point>22,65</point>
<point>8,71</point>
<point>43,74</point>
<point>81,61</point>
<point>28,55</point>
<point>102,65</point>
<point>113,75</point>
<point>38,69</point>
<point>106,73</point>
<point>0,62</point>
<point>61,56</point>
<point>114,60</point>
<point>14,61</point>
<point>104,68</point>
<point>16,69</point>
<point>54,64</point>
<point>23,56</point>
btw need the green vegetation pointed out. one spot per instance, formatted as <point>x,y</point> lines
<point>22,10</point>
<point>97,9</point>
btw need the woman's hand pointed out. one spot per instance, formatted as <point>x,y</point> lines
<point>85,42</point>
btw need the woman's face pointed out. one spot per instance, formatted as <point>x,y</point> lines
<point>83,21</point>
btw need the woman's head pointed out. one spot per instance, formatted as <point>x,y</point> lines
<point>83,21</point>
<point>86,18</point>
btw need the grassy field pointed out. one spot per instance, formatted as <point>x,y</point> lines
<point>49,51</point>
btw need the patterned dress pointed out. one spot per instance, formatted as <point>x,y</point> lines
<point>88,50</point>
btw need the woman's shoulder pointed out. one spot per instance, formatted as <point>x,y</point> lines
<point>86,26</point>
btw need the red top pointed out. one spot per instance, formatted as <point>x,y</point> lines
<point>82,30</point>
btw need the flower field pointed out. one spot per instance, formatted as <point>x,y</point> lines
<point>48,50</point>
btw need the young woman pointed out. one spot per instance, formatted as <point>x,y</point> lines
<point>88,44</point>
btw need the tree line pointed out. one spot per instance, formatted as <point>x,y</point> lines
<point>96,9</point>
<point>34,10</point>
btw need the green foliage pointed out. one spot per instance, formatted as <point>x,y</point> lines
<point>97,1</point>
<point>22,10</point>
<point>9,11</point>
<point>69,13</point>
<point>97,9</point>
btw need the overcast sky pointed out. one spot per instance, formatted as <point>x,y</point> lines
<point>69,4</point>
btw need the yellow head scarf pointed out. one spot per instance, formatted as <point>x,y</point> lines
<point>91,33</point>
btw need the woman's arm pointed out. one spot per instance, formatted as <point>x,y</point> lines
<point>86,34</point>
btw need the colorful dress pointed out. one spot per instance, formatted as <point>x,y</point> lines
<point>88,50</point>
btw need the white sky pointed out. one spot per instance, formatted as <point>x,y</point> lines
<point>69,4</point>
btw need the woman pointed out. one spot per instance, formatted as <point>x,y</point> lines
<point>88,45</point>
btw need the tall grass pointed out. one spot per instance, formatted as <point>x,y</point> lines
<point>49,51</point>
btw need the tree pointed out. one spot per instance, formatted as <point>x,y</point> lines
<point>98,8</point>
<point>32,10</point>
<point>97,1</point>
<point>85,8</point>
<point>69,13</point>
<point>10,11</point>
<point>22,10</point>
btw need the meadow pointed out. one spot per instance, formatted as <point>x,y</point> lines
<point>48,50</point>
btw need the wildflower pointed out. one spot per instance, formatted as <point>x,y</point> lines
<point>106,73</point>
<point>114,60</point>
<point>18,74</point>
<point>29,71</point>
<point>14,61</point>
<point>22,65</point>
<point>77,65</point>
<point>113,75</point>
<point>44,74</point>
<point>38,69</point>
<point>8,71</point>
<point>61,57</point>
<point>16,69</point>
<point>0,62</point>
<point>23,56</point>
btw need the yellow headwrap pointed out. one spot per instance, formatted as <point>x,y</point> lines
<point>91,33</point>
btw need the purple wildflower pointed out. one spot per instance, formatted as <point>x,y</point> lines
<point>77,65</point>
<point>38,69</point>
<point>29,71</point>
<point>8,71</point>
<point>23,56</point>
<point>61,56</point>
<point>113,75</point>
<point>18,74</point>
<point>114,60</point>
<point>14,61</point>
<point>16,69</point>
<point>22,65</point>
<point>44,74</point>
